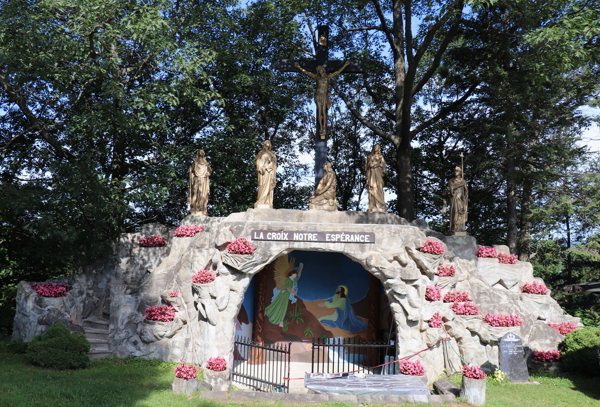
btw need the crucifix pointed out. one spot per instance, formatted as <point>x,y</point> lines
<point>324,69</point>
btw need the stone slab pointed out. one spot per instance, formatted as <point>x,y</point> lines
<point>512,358</point>
<point>464,247</point>
<point>367,385</point>
<point>444,386</point>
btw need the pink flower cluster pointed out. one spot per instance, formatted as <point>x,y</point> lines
<point>534,288</point>
<point>546,355</point>
<point>152,241</point>
<point>241,245</point>
<point>484,251</point>
<point>504,320</point>
<point>433,293</point>
<point>412,368</point>
<point>507,258</point>
<point>456,296</point>
<point>188,231</point>
<point>465,308</point>
<point>203,277</point>
<point>436,321</point>
<point>217,364</point>
<point>161,313</point>
<point>473,372</point>
<point>446,271</point>
<point>564,327</point>
<point>432,247</point>
<point>50,289</point>
<point>186,372</point>
<point>173,294</point>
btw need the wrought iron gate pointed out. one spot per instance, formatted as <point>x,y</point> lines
<point>262,367</point>
<point>339,355</point>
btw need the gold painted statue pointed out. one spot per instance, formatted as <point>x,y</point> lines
<point>375,168</point>
<point>459,196</point>
<point>266,168</point>
<point>198,184</point>
<point>322,92</point>
<point>324,197</point>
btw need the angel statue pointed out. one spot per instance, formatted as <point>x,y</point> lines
<point>286,278</point>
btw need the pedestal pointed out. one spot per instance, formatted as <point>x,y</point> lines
<point>473,390</point>
<point>262,206</point>
<point>323,207</point>
<point>219,381</point>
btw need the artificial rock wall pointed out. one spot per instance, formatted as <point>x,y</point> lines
<point>120,288</point>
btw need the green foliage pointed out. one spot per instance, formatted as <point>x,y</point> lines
<point>17,347</point>
<point>295,315</point>
<point>308,332</point>
<point>60,349</point>
<point>578,351</point>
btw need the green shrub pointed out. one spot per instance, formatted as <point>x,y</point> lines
<point>58,348</point>
<point>578,351</point>
<point>17,347</point>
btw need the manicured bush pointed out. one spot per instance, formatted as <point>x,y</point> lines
<point>60,349</point>
<point>433,293</point>
<point>241,245</point>
<point>432,247</point>
<point>578,351</point>
<point>446,271</point>
<point>17,347</point>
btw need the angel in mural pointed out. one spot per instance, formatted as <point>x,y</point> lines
<point>286,278</point>
<point>344,316</point>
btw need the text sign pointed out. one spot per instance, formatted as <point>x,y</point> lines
<point>304,236</point>
<point>512,358</point>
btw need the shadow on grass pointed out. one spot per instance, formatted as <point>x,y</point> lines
<point>588,385</point>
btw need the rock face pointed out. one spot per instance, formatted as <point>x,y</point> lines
<point>135,278</point>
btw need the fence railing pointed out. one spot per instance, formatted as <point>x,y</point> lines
<point>338,355</point>
<point>261,367</point>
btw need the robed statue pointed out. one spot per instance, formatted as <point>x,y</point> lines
<point>324,197</point>
<point>375,168</point>
<point>459,196</point>
<point>198,184</point>
<point>266,167</point>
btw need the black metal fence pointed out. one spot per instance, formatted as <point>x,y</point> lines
<point>261,367</point>
<point>339,355</point>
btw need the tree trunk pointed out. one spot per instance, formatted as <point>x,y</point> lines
<point>525,227</point>
<point>406,198</point>
<point>511,212</point>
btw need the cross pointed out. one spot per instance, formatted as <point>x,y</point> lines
<point>331,67</point>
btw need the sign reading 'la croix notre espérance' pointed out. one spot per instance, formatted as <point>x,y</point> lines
<point>303,236</point>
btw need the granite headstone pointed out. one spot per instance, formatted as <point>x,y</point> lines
<point>512,358</point>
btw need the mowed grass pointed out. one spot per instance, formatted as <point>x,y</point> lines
<point>136,382</point>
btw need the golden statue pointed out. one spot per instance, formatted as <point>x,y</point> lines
<point>375,168</point>
<point>324,197</point>
<point>198,184</point>
<point>266,167</point>
<point>459,196</point>
<point>322,93</point>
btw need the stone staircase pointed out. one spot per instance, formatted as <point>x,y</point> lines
<point>96,331</point>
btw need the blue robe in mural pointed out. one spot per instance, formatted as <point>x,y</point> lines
<point>346,317</point>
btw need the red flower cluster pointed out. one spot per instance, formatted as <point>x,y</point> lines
<point>50,289</point>
<point>446,271</point>
<point>432,293</point>
<point>484,251</point>
<point>564,327</point>
<point>412,368</point>
<point>186,372</point>
<point>161,313</point>
<point>217,364</point>
<point>173,294</point>
<point>432,247</point>
<point>436,321</point>
<point>505,320</point>
<point>203,277</point>
<point>456,296</point>
<point>507,258</point>
<point>188,231</point>
<point>152,241</point>
<point>473,372</point>
<point>241,245</point>
<point>534,288</point>
<point>465,308</point>
<point>546,355</point>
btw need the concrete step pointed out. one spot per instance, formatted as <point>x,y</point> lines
<point>99,345</point>
<point>93,333</point>
<point>96,323</point>
<point>99,354</point>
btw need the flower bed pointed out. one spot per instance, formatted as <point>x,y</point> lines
<point>446,271</point>
<point>186,372</point>
<point>188,231</point>
<point>203,277</point>
<point>473,372</point>
<point>546,355</point>
<point>152,241</point>
<point>507,258</point>
<point>433,293</point>
<point>160,313</point>
<point>484,251</point>
<point>432,247</point>
<point>436,320</point>
<point>564,327</point>
<point>241,245</point>
<point>217,364</point>
<point>50,289</point>
<point>412,368</point>
<point>456,296</point>
<point>465,308</point>
<point>504,320</point>
<point>534,288</point>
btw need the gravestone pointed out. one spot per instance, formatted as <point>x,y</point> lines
<point>512,358</point>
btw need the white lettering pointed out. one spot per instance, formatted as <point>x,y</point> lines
<point>367,238</point>
<point>314,237</point>
<point>362,238</point>
<point>261,235</point>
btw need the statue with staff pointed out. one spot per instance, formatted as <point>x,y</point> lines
<point>459,196</point>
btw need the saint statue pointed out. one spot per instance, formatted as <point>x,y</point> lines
<point>375,168</point>
<point>324,197</point>
<point>266,166</point>
<point>198,184</point>
<point>459,196</point>
<point>322,93</point>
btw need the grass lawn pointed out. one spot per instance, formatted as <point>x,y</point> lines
<point>136,382</point>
